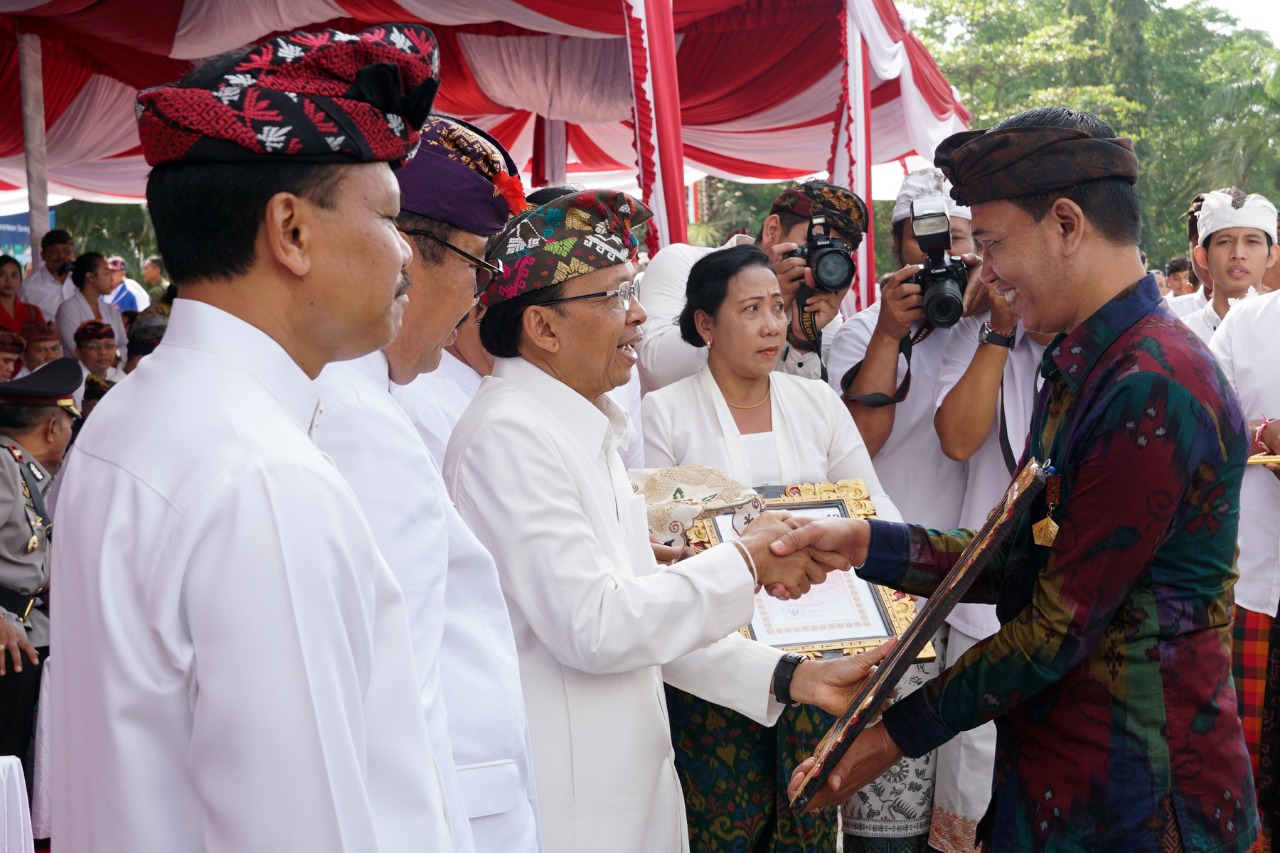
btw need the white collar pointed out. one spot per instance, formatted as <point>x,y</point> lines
<point>599,423</point>
<point>202,327</point>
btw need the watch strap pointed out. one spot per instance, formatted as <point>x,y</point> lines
<point>989,335</point>
<point>782,674</point>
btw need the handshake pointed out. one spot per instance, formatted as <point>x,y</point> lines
<point>790,554</point>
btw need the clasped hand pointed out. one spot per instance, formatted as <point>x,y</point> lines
<point>790,574</point>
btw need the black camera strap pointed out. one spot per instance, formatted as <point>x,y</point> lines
<point>809,327</point>
<point>1006,446</point>
<point>877,399</point>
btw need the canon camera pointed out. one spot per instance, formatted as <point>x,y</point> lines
<point>943,278</point>
<point>830,258</point>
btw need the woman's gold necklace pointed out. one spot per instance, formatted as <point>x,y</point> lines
<point>763,400</point>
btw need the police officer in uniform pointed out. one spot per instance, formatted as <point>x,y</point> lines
<point>36,417</point>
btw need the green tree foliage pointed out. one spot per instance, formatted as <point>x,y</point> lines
<point>112,229</point>
<point>1199,95</point>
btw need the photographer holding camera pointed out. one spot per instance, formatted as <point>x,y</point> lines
<point>809,235</point>
<point>49,284</point>
<point>917,308</point>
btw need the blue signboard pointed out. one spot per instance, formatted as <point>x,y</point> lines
<point>15,235</point>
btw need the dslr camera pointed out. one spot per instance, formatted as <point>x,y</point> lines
<point>830,258</point>
<point>943,279</point>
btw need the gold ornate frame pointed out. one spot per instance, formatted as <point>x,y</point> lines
<point>851,498</point>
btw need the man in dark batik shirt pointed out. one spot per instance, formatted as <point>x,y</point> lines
<point>1110,678</point>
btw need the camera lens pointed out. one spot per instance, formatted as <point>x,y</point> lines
<point>943,303</point>
<point>832,270</point>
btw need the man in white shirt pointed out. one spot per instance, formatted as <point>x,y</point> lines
<point>127,294</point>
<point>92,279</point>
<point>897,425</point>
<point>468,673</point>
<point>435,400</point>
<point>1247,347</point>
<point>49,284</point>
<point>96,351</point>
<point>665,358</point>
<point>235,670</point>
<point>1236,245</point>
<point>986,392</point>
<point>533,470</point>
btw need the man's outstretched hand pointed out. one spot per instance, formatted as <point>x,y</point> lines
<point>871,755</point>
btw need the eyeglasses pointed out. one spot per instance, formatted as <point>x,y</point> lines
<point>99,344</point>
<point>485,270</point>
<point>624,296</point>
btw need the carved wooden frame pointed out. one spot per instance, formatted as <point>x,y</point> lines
<point>896,610</point>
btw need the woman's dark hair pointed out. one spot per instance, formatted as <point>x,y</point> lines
<point>502,325</point>
<point>85,264</point>
<point>1111,204</point>
<point>10,259</point>
<point>709,282</point>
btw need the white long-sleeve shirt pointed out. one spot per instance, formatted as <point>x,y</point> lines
<point>378,452</point>
<point>45,292</point>
<point>1247,346</point>
<point>235,667</point>
<point>533,468</point>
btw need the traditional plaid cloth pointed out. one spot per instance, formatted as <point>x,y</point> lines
<point>1250,643</point>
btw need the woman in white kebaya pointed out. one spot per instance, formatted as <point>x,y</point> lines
<point>739,416</point>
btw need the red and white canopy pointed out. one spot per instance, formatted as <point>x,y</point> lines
<point>767,89</point>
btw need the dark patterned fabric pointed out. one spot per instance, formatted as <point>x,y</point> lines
<point>844,211</point>
<point>92,330</point>
<point>11,343</point>
<point>463,176</point>
<point>1269,750</point>
<point>1110,678</point>
<point>734,773</point>
<point>986,165</point>
<point>322,97</point>
<point>567,237</point>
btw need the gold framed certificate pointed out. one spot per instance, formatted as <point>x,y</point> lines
<point>844,614</point>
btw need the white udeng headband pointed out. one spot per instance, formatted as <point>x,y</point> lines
<point>921,183</point>
<point>1217,213</point>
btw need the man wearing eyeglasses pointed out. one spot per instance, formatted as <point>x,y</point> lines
<point>96,350</point>
<point>460,188</point>
<point>599,625</point>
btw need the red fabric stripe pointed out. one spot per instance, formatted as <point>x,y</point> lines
<point>144,25</point>
<point>728,75</point>
<point>666,109</point>
<point>591,157</point>
<point>64,71</point>
<point>734,166</point>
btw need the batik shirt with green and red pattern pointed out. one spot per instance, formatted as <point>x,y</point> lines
<point>1110,678</point>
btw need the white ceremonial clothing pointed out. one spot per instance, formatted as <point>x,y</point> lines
<point>434,401</point>
<point>378,452</point>
<point>599,625</point>
<point>1204,322</point>
<point>814,437</point>
<point>988,475</point>
<point>479,667</point>
<point>925,485</point>
<point>664,356</point>
<point>42,290</point>
<point>962,788</point>
<point>1247,346</point>
<point>437,399</point>
<point>235,671</point>
<point>75,311</point>
<point>1187,302</point>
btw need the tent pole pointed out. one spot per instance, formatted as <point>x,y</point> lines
<point>33,137</point>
